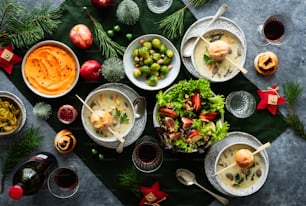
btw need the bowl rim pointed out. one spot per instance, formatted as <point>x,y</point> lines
<point>62,46</point>
<point>23,115</point>
<point>234,73</point>
<point>172,75</point>
<point>254,187</point>
<point>92,134</point>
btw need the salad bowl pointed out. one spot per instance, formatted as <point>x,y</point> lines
<point>189,116</point>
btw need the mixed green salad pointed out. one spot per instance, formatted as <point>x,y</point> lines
<point>190,116</point>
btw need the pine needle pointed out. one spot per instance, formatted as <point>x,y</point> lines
<point>173,25</point>
<point>130,180</point>
<point>294,122</point>
<point>28,140</point>
<point>108,47</point>
<point>30,27</point>
<point>292,91</point>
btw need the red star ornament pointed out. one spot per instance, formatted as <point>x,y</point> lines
<point>152,195</point>
<point>8,59</point>
<point>270,99</point>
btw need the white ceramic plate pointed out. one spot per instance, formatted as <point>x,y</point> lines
<point>139,124</point>
<point>211,156</point>
<point>196,29</point>
<point>129,64</point>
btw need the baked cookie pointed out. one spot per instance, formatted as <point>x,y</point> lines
<point>266,63</point>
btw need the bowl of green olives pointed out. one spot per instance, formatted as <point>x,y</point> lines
<point>151,62</point>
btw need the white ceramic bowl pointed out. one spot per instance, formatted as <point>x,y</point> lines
<point>128,61</point>
<point>51,71</point>
<point>92,100</point>
<point>216,150</point>
<point>237,55</point>
<point>18,104</point>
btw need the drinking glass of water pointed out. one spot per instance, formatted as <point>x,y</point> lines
<point>63,182</point>
<point>275,30</point>
<point>241,104</point>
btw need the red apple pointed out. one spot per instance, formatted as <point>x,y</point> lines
<point>102,3</point>
<point>91,70</point>
<point>81,36</point>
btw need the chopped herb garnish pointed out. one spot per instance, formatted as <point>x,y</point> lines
<point>208,60</point>
<point>122,117</point>
<point>238,179</point>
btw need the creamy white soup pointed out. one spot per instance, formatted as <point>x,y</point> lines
<point>117,106</point>
<point>224,68</point>
<point>237,177</point>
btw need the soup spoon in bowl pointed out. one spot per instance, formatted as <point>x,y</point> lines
<point>188,178</point>
<point>119,148</point>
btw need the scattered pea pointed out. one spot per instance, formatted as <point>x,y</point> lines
<point>117,28</point>
<point>129,36</point>
<point>94,151</point>
<point>110,33</point>
<point>101,157</point>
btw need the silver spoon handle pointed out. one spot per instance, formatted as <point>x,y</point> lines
<point>220,12</point>
<point>222,200</point>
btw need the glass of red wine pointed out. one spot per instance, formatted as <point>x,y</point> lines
<point>63,182</point>
<point>147,155</point>
<point>275,30</point>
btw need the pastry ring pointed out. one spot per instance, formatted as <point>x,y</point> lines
<point>65,141</point>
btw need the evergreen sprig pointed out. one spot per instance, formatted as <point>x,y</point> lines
<point>130,180</point>
<point>28,140</point>
<point>23,28</point>
<point>108,47</point>
<point>292,91</point>
<point>173,25</point>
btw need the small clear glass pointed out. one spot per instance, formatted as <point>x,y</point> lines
<point>159,6</point>
<point>147,155</point>
<point>241,104</point>
<point>63,182</point>
<point>276,30</point>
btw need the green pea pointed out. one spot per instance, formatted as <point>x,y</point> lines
<point>129,36</point>
<point>117,28</point>
<point>110,33</point>
<point>94,151</point>
<point>101,157</point>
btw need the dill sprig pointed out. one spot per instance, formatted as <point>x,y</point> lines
<point>23,28</point>
<point>108,47</point>
<point>130,180</point>
<point>28,140</point>
<point>292,91</point>
<point>173,25</point>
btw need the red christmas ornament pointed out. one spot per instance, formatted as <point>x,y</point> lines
<point>8,59</point>
<point>152,195</point>
<point>270,99</point>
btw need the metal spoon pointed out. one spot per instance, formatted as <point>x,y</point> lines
<point>187,177</point>
<point>189,43</point>
<point>140,104</point>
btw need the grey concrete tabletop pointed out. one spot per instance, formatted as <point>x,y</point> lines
<point>286,184</point>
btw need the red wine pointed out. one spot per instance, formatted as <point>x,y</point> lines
<point>66,178</point>
<point>30,177</point>
<point>147,153</point>
<point>274,30</point>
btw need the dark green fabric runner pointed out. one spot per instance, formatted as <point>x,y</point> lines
<point>262,124</point>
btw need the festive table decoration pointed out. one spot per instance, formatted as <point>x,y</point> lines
<point>23,27</point>
<point>270,99</point>
<point>173,25</point>
<point>128,12</point>
<point>42,110</point>
<point>152,195</point>
<point>113,69</point>
<point>292,91</point>
<point>8,59</point>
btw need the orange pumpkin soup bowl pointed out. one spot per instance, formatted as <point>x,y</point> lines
<point>50,69</point>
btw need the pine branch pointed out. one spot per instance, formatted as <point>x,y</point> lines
<point>108,47</point>
<point>198,3</point>
<point>130,180</point>
<point>30,27</point>
<point>27,141</point>
<point>294,122</point>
